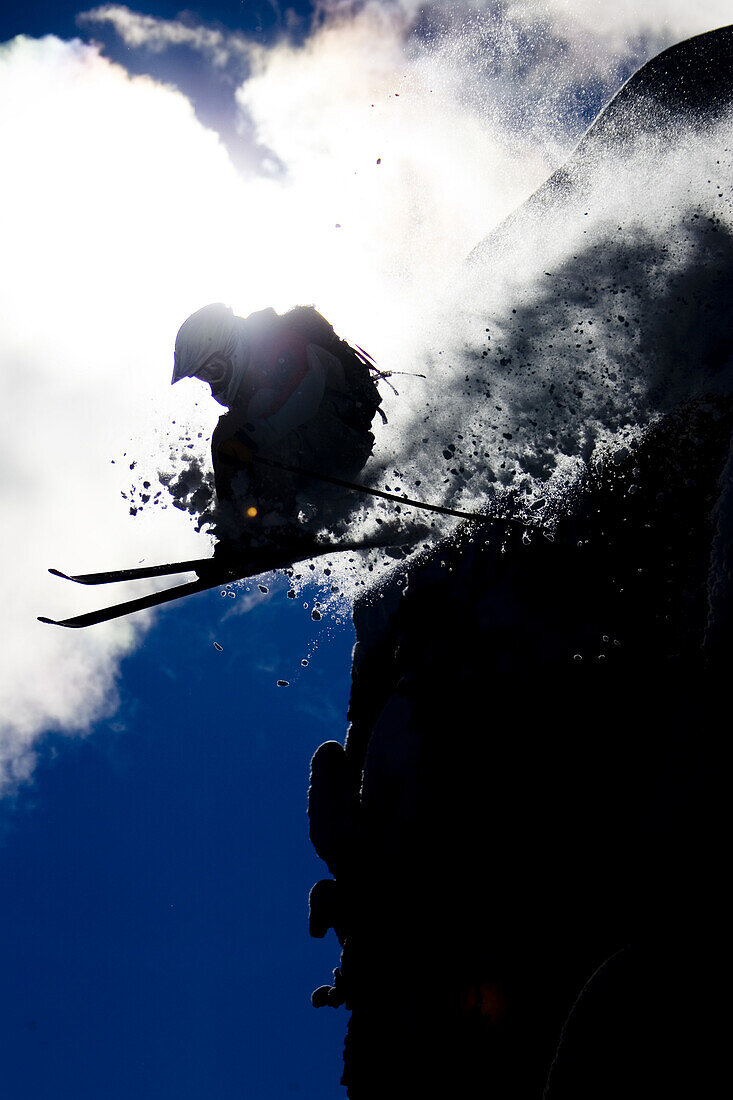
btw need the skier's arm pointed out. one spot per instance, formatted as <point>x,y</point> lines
<point>236,451</point>
<point>230,453</point>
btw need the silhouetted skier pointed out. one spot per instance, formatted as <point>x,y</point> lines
<point>296,394</point>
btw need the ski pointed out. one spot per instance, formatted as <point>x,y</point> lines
<point>213,575</point>
<point>154,599</point>
<point>142,572</point>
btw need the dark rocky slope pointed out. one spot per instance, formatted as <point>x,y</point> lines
<point>525,827</point>
<point>533,781</point>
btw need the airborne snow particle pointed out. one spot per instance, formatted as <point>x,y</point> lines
<point>292,594</point>
<point>219,648</point>
<point>283,683</point>
<point>305,662</point>
<point>263,588</point>
<point>316,615</point>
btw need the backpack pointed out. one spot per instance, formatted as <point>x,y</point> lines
<point>360,373</point>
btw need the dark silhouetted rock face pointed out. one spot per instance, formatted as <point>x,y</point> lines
<point>532,782</point>
<point>525,827</point>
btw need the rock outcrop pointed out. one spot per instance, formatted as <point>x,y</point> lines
<point>533,785</point>
<point>525,827</point>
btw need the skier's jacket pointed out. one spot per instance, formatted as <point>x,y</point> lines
<point>307,398</point>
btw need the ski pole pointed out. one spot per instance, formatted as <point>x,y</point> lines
<point>475,517</point>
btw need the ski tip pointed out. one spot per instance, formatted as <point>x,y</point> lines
<point>58,573</point>
<point>58,622</point>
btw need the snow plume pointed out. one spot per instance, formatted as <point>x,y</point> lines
<point>578,325</point>
<point>540,68</point>
<point>467,105</point>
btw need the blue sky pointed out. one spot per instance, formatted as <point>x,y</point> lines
<point>156,875</point>
<point>154,854</point>
<point>59,16</point>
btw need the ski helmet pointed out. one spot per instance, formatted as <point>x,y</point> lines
<point>210,329</point>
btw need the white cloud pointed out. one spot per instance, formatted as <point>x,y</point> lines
<point>117,223</point>
<point>156,35</point>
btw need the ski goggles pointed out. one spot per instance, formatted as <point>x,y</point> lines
<point>215,370</point>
